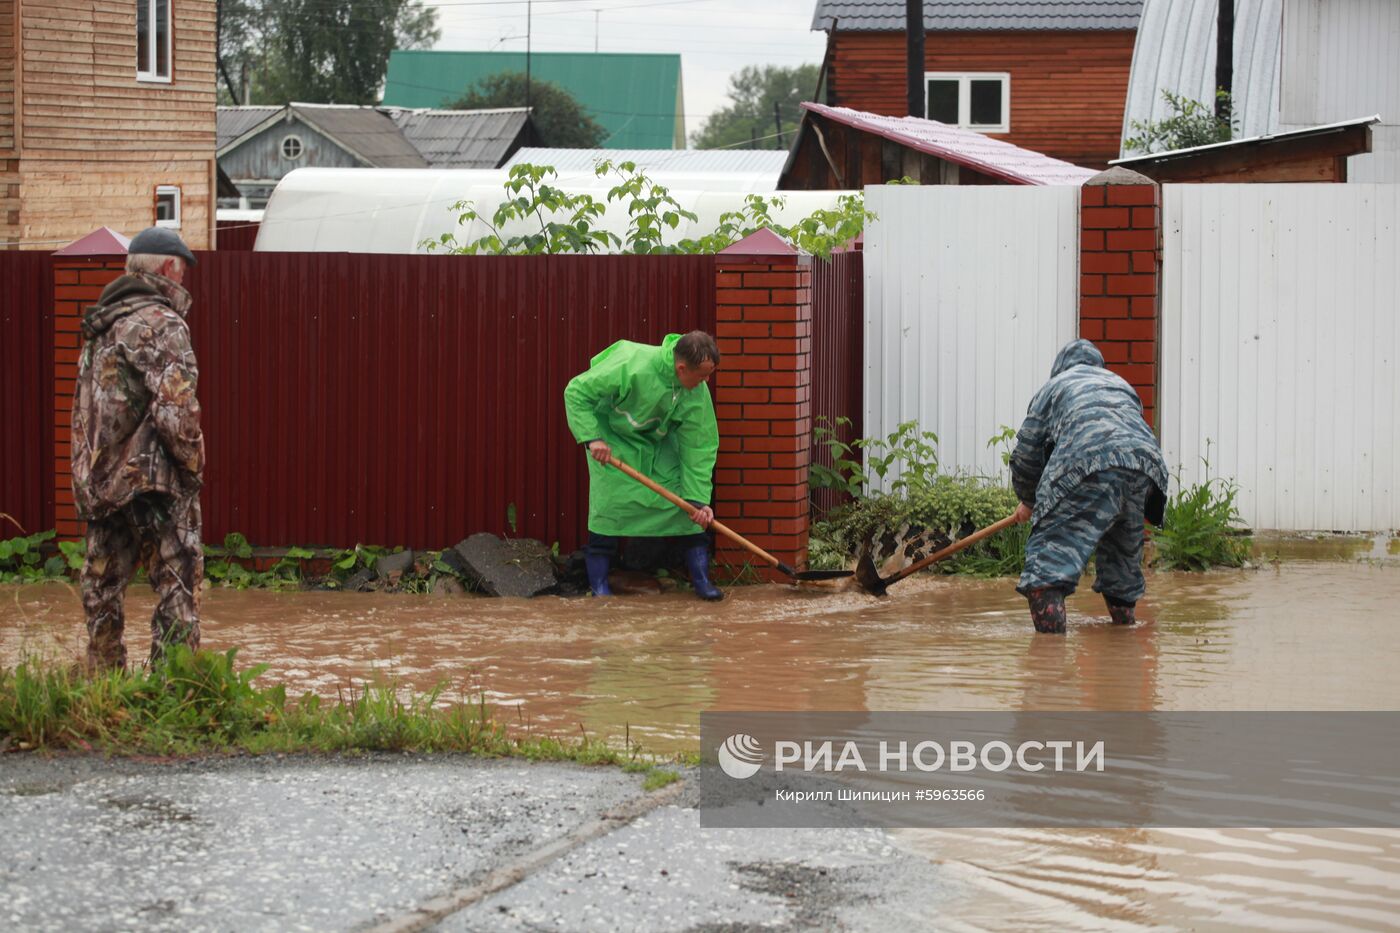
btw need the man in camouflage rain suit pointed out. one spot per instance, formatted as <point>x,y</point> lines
<point>1087,470</point>
<point>138,452</point>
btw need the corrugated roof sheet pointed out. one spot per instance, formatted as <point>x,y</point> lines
<point>969,15</point>
<point>739,161</point>
<point>368,132</point>
<point>977,151</point>
<point>462,138</point>
<point>636,97</point>
<point>1169,155</point>
<point>233,122</point>
<point>1175,51</point>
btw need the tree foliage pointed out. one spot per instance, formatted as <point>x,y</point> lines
<point>318,52</point>
<point>561,121</point>
<point>537,217</point>
<point>752,92</point>
<point>1191,124</point>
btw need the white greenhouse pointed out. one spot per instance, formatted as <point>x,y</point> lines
<point>365,210</point>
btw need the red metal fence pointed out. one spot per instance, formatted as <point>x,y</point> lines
<point>412,400</point>
<point>26,390</point>
<point>838,348</point>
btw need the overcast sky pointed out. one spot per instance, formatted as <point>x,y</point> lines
<point>714,37</point>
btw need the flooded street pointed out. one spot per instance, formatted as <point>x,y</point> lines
<point>1300,635</point>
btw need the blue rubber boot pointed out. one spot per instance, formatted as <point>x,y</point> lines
<point>597,559</point>
<point>597,565</point>
<point>697,564</point>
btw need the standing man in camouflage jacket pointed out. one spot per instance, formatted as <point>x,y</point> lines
<point>138,452</point>
<point>1087,470</point>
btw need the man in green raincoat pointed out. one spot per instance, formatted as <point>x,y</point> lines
<point>650,407</point>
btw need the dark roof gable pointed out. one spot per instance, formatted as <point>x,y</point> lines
<point>980,15</point>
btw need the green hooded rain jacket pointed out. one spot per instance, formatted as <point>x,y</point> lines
<point>631,398</point>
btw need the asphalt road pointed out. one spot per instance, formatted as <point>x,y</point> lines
<point>407,842</point>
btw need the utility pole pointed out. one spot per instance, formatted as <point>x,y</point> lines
<point>914,30</point>
<point>778,122</point>
<point>596,14</point>
<point>528,7</point>
<point>1224,58</point>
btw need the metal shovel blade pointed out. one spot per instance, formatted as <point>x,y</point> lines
<point>869,578</point>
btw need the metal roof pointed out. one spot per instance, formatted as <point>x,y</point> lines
<point>636,97</point>
<point>760,161</point>
<point>965,147</point>
<point>970,15</point>
<point>1175,51</point>
<point>1130,161</point>
<point>462,138</point>
<point>233,122</point>
<point>365,131</point>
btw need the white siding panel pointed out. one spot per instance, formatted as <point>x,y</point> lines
<point>969,293</point>
<point>1279,348</point>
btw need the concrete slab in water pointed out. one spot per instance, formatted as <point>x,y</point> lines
<point>518,567</point>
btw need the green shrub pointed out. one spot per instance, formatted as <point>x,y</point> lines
<point>1202,528</point>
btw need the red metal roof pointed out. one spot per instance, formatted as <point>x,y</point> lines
<point>104,241</point>
<point>975,150</point>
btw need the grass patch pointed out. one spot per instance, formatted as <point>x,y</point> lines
<point>200,703</point>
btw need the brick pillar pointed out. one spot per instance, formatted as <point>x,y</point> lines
<point>763,393</point>
<point>1120,225</point>
<point>78,281</point>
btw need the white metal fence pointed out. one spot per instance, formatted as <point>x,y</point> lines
<point>969,293</point>
<point>1280,339</point>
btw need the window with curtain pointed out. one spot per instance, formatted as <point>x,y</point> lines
<point>153,40</point>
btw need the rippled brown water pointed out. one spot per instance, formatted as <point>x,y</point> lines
<point>1300,635</point>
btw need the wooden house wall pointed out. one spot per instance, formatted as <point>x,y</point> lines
<point>9,167</point>
<point>94,141</point>
<point>260,158</point>
<point>1068,89</point>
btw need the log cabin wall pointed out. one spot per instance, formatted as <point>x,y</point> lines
<point>9,165</point>
<point>1068,89</point>
<point>93,142</point>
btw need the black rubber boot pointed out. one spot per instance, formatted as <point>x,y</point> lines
<point>1122,613</point>
<point>697,564</point>
<point>1048,609</point>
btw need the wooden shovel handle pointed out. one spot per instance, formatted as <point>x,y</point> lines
<point>689,509</point>
<point>954,548</point>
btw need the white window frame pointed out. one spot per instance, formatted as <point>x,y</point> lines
<point>965,79</point>
<point>282,148</point>
<point>152,76</point>
<point>174,223</point>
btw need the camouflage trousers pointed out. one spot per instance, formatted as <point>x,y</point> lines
<point>1102,518</point>
<point>163,534</point>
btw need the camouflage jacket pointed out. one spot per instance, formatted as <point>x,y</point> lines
<point>135,415</point>
<point>1085,419</point>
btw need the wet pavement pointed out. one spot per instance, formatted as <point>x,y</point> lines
<point>403,842</point>
<point>1294,634</point>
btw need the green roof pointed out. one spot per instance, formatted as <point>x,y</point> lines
<point>636,97</point>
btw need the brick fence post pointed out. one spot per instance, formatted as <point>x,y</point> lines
<point>78,279</point>
<point>763,391</point>
<point>1120,237</point>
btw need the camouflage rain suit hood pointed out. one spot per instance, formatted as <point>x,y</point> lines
<point>1085,419</point>
<point>135,416</point>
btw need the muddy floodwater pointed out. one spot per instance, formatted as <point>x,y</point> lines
<point>1299,634</point>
